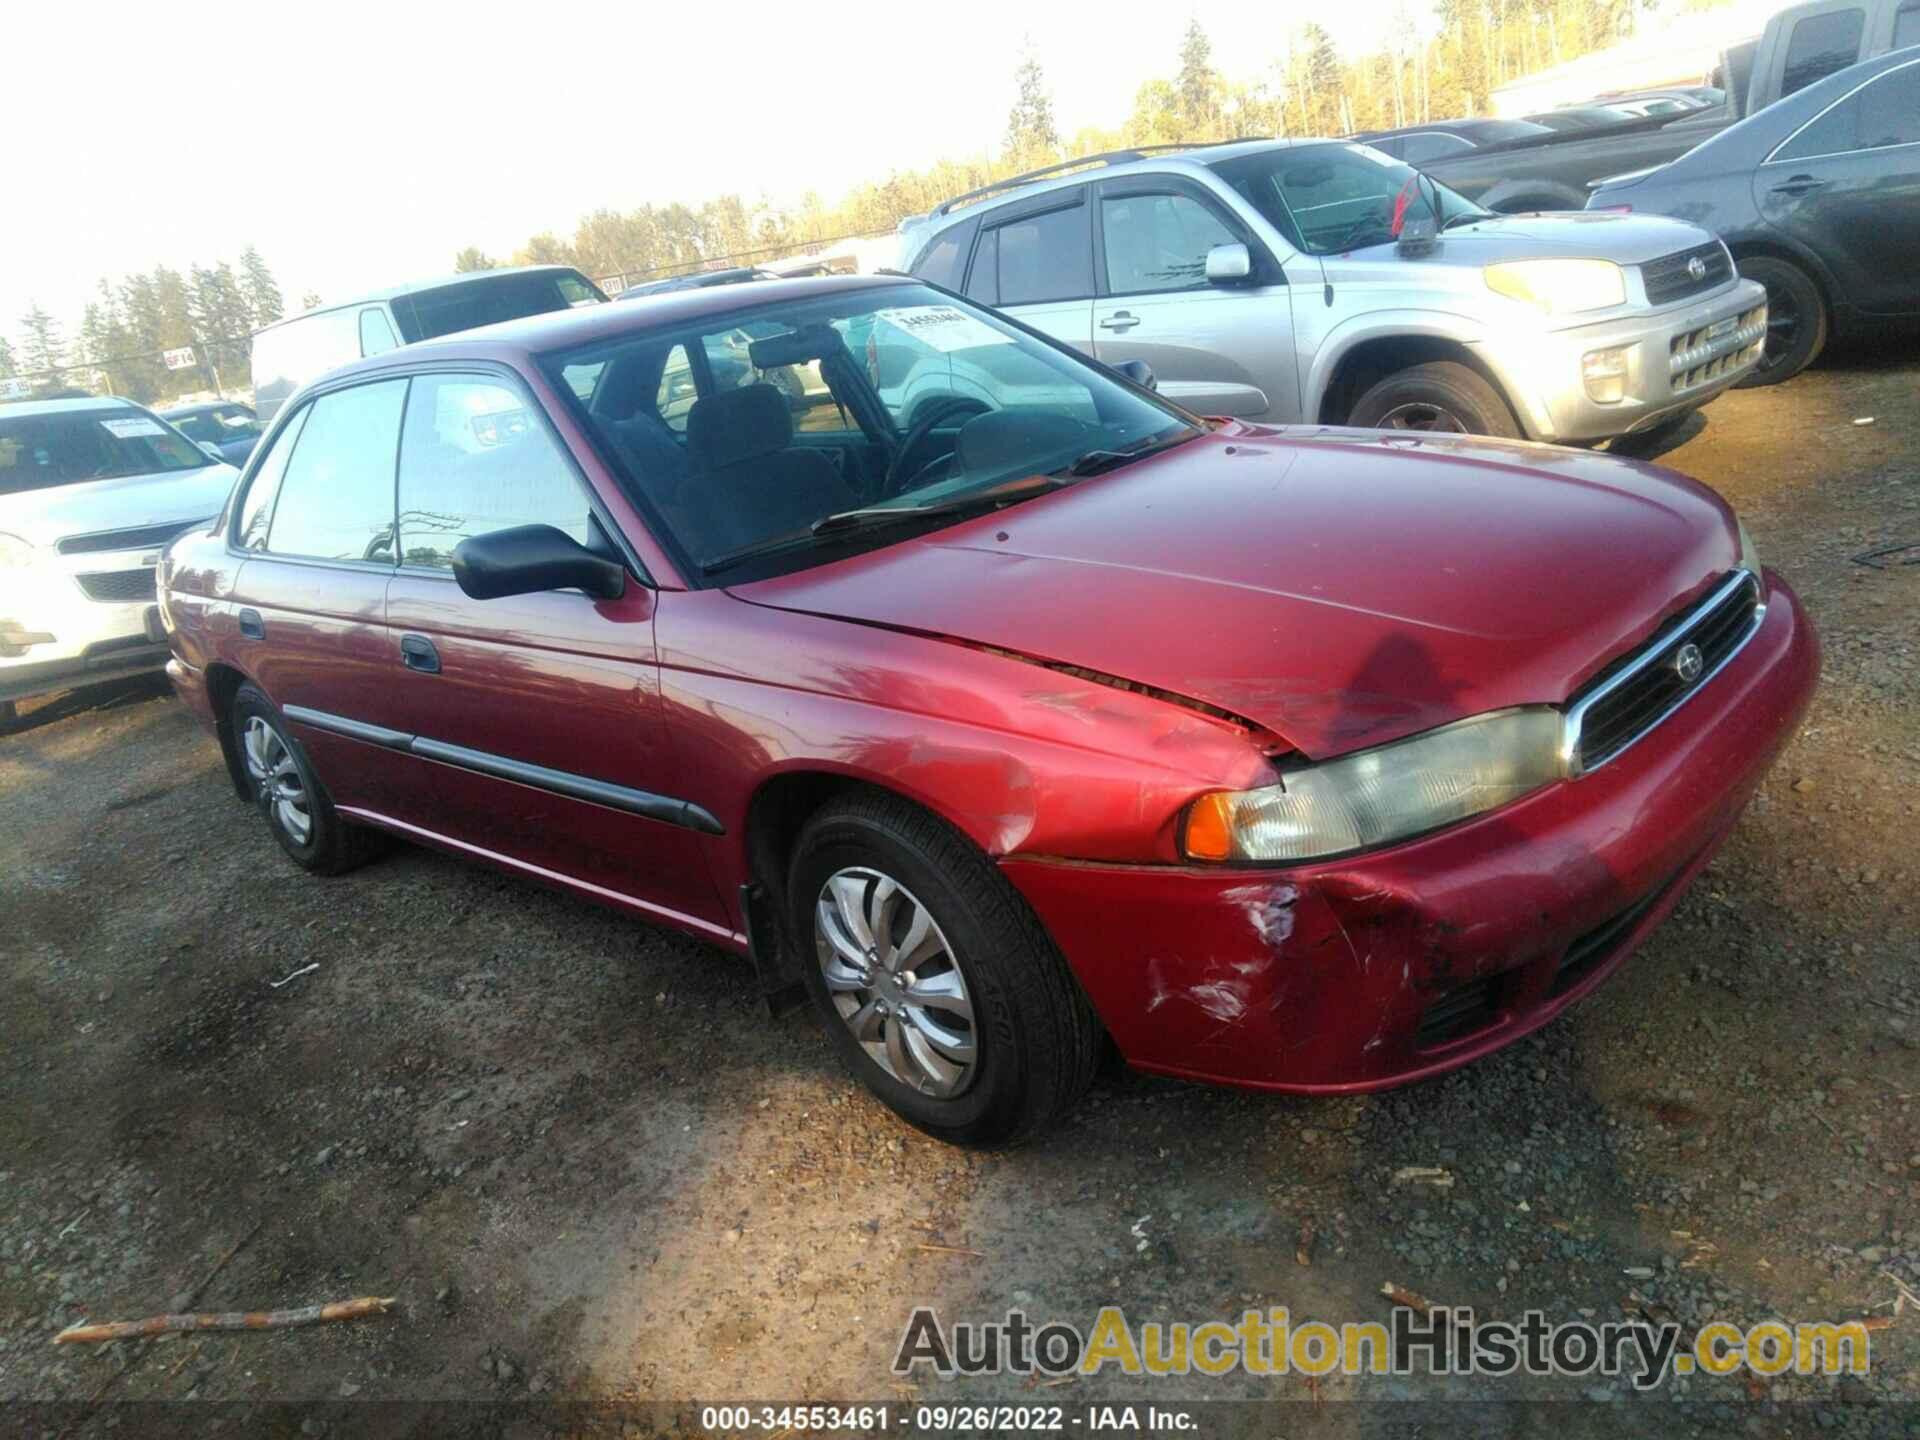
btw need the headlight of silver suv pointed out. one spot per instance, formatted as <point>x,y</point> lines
<point>1375,797</point>
<point>1559,287</point>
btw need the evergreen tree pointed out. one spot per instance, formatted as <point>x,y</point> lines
<point>1198,85</point>
<point>262,292</point>
<point>472,258</point>
<point>6,358</point>
<point>1030,128</point>
<point>42,354</point>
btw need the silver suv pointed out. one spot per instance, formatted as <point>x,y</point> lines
<point>1322,281</point>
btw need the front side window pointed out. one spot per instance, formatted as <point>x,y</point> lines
<point>1158,242</point>
<point>376,335</point>
<point>256,509</point>
<point>1046,257</point>
<point>336,497</point>
<point>1821,46</point>
<point>944,405</point>
<point>1329,199</point>
<point>66,447</point>
<point>474,459</point>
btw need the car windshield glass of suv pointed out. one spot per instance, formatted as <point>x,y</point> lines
<point>488,300</point>
<point>769,438</point>
<point>69,446</point>
<point>1327,199</point>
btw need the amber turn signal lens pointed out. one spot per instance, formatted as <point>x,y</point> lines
<point>1210,827</point>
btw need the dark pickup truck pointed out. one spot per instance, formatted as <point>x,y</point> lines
<point>1800,45</point>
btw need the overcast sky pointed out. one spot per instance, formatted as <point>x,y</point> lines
<point>358,145</point>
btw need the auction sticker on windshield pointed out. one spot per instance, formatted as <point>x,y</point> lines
<point>132,429</point>
<point>944,328</point>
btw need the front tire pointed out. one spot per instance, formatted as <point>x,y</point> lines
<point>936,981</point>
<point>1442,395</point>
<point>1797,321</point>
<point>298,813</point>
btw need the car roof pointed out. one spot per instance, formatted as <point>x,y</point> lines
<point>20,409</point>
<point>564,329</point>
<point>414,287</point>
<point>1190,160</point>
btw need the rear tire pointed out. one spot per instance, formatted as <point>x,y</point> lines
<point>1797,320</point>
<point>1442,395</point>
<point>298,812</point>
<point>1008,1042</point>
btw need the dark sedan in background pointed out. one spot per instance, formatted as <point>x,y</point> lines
<point>228,426</point>
<point>1818,198</point>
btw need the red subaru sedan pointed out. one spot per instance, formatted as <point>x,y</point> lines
<point>990,698</point>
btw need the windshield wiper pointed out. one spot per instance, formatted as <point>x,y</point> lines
<point>844,522</point>
<point>1097,462</point>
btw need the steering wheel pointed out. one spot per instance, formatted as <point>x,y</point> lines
<point>917,435</point>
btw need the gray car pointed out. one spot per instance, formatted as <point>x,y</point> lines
<point>1818,196</point>
<point>1322,281</point>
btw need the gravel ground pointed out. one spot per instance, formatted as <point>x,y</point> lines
<point>588,1166</point>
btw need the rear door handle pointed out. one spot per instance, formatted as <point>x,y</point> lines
<point>417,653</point>
<point>1120,320</point>
<point>1800,185</point>
<point>252,627</point>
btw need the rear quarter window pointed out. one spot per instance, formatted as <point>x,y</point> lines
<point>1822,45</point>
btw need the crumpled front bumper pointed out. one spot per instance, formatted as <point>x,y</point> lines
<point>1398,964</point>
<point>1675,363</point>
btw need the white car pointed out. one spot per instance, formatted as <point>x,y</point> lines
<point>90,492</point>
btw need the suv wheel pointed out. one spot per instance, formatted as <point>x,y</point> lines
<point>296,808</point>
<point>935,980</point>
<point>1442,395</point>
<point>1796,320</point>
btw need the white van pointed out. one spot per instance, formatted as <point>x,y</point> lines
<point>287,355</point>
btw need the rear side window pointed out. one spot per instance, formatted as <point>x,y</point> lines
<point>1418,149</point>
<point>1884,112</point>
<point>485,301</point>
<point>256,510</point>
<point>1906,27</point>
<point>1046,257</point>
<point>336,497</point>
<point>983,281</point>
<point>943,259</point>
<point>1821,45</point>
<point>376,335</point>
<point>476,459</point>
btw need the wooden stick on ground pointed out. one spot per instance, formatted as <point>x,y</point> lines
<point>226,1320</point>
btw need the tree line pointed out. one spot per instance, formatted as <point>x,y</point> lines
<point>1446,69</point>
<point>125,327</point>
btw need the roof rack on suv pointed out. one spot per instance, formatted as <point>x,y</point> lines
<point>1108,157</point>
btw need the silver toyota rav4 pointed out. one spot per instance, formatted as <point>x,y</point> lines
<point>1322,281</point>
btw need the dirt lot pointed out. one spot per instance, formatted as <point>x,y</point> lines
<point>588,1166</point>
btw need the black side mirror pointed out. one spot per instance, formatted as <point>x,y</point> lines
<point>531,558</point>
<point>1139,372</point>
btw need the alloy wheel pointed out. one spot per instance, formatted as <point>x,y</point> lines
<point>1419,415</point>
<point>277,777</point>
<point>1783,327</point>
<point>895,981</point>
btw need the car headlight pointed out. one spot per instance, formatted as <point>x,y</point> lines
<point>1559,287</point>
<point>1375,797</point>
<point>1749,557</point>
<point>15,553</point>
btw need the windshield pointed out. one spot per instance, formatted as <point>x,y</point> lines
<point>1327,199</point>
<point>69,446</point>
<point>216,427</point>
<point>488,300</point>
<point>749,436</point>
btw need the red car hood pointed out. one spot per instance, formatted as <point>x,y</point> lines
<point>1339,588</point>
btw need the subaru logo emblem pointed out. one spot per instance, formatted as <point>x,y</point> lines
<point>1688,662</point>
<point>1697,268</point>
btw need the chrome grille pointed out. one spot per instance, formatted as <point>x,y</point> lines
<point>1671,277</point>
<point>143,538</point>
<point>118,586</point>
<point>1642,688</point>
<point>1697,357</point>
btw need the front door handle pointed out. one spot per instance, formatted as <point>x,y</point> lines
<point>417,653</point>
<point>252,627</point>
<point>1800,185</point>
<point>1120,320</point>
